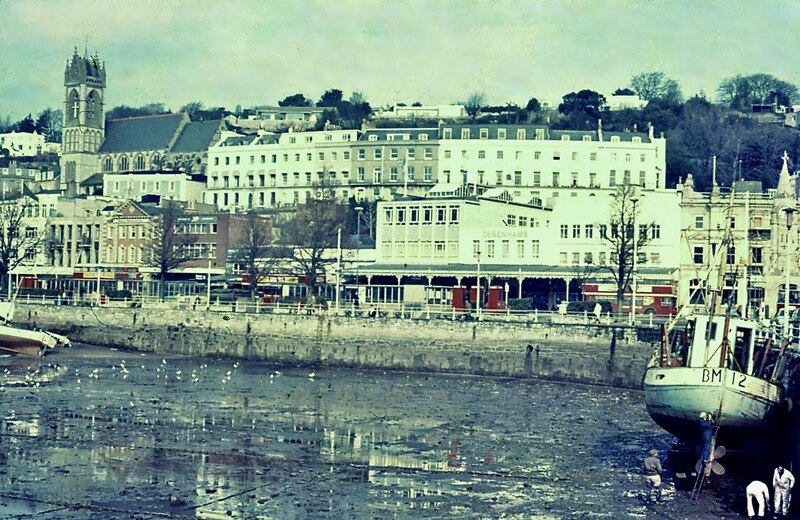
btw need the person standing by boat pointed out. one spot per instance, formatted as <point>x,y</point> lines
<point>782,483</point>
<point>706,434</point>
<point>652,476</point>
<point>760,492</point>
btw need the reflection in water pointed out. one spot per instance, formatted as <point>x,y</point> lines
<point>120,433</point>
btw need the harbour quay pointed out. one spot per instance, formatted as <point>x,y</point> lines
<point>499,346</point>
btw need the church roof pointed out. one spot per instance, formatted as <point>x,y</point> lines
<point>94,180</point>
<point>141,133</point>
<point>196,137</point>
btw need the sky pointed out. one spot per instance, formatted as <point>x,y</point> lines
<point>256,52</point>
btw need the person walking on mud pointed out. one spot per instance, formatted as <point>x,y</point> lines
<point>760,492</point>
<point>652,477</point>
<point>782,483</point>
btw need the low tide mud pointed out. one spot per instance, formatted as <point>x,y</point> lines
<point>93,433</point>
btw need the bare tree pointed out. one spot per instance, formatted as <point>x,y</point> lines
<point>253,246</point>
<point>171,244</point>
<point>620,234</point>
<point>656,85</point>
<point>311,233</point>
<point>18,242</point>
<point>473,104</point>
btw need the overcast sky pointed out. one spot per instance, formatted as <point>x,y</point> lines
<point>225,53</point>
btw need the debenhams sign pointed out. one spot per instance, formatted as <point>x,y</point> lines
<point>502,233</point>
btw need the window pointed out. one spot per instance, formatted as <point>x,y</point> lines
<point>537,155</point>
<point>587,258</point>
<point>589,231</point>
<point>555,179</point>
<point>393,174</point>
<point>484,133</point>
<point>499,154</point>
<point>481,154</point>
<point>376,175</point>
<point>574,179</point>
<point>534,249</point>
<point>520,249</point>
<point>731,255</point>
<point>576,231</point>
<point>593,156</point>
<point>699,221</point>
<point>411,154</point>
<point>428,173</point>
<point>655,231</point>
<point>411,173</point>
<point>755,255</point>
<point>732,222</point>
<point>501,133</point>
<point>372,137</point>
<point>626,177</point>
<point>537,178</point>
<point>523,221</point>
<point>698,255</point>
<point>556,156</point>
<point>362,154</point>
<point>490,249</point>
<point>360,174</point>
<point>592,180</point>
<point>612,178</point>
<point>564,231</point>
<point>511,220</point>
<point>505,249</point>
<point>521,134</point>
<point>447,154</point>
<point>465,133</point>
<point>587,138</point>
<point>603,231</point>
<point>565,137</point>
<point>429,153</point>
<point>377,153</point>
<point>642,178</point>
<point>346,155</point>
<point>517,178</point>
<point>447,133</point>
<point>393,153</point>
<point>476,248</point>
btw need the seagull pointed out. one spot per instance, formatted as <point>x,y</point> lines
<point>311,375</point>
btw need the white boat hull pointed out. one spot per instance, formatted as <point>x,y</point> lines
<point>742,404</point>
<point>28,342</point>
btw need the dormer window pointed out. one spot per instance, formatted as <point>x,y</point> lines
<point>614,138</point>
<point>373,137</point>
<point>637,139</point>
<point>565,138</point>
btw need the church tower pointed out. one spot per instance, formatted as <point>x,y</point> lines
<point>84,118</point>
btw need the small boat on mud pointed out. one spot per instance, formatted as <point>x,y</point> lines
<point>25,342</point>
<point>725,365</point>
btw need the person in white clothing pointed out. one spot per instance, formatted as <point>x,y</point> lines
<point>760,492</point>
<point>782,483</point>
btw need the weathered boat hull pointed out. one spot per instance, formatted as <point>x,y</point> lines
<point>24,342</point>
<point>742,405</point>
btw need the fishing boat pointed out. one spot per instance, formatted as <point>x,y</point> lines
<point>721,364</point>
<point>25,342</point>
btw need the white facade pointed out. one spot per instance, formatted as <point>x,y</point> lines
<point>427,111</point>
<point>274,170</point>
<point>530,160</point>
<point>563,234</point>
<point>168,185</point>
<point>453,230</point>
<point>22,144</point>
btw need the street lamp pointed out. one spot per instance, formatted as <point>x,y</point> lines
<point>789,217</point>
<point>208,283</point>
<point>358,210</point>
<point>478,285</point>
<point>338,265</point>
<point>634,198</point>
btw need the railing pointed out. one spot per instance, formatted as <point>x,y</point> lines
<point>346,309</point>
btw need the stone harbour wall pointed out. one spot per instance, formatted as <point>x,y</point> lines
<point>566,352</point>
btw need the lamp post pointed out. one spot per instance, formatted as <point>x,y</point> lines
<point>208,283</point>
<point>358,209</point>
<point>789,217</point>
<point>634,198</point>
<point>478,285</point>
<point>338,265</point>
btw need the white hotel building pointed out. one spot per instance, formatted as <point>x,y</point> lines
<point>275,170</point>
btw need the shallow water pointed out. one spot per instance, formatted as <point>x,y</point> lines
<point>110,434</point>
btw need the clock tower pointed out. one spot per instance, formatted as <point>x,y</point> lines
<point>84,118</point>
